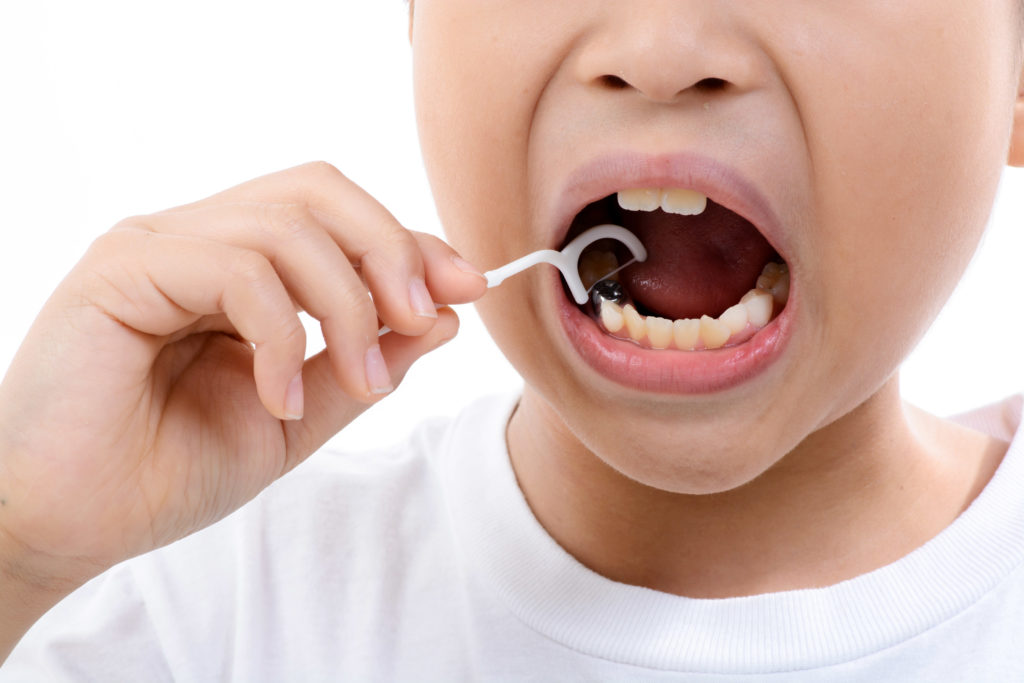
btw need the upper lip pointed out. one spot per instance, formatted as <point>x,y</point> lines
<point>721,184</point>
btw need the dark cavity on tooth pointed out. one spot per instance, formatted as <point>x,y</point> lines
<point>606,290</point>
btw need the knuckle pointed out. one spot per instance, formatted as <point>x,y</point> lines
<point>286,222</point>
<point>358,306</point>
<point>314,181</point>
<point>106,244</point>
<point>322,170</point>
<point>291,332</point>
<point>112,273</point>
<point>111,245</point>
<point>426,241</point>
<point>251,266</point>
<point>395,246</point>
<point>132,223</point>
<point>397,237</point>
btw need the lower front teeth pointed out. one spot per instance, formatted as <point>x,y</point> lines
<point>686,334</point>
<point>659,332</point>
<point>735,325</point>
<point>636,324</point>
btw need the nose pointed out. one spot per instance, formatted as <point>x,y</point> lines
<point>664,48</point>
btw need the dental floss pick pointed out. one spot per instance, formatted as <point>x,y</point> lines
<point>566,260</point>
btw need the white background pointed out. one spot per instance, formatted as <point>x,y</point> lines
<point>110,108</point>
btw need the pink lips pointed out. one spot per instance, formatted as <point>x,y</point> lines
<point>667,371</point>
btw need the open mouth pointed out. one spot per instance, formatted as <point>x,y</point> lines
<point>711,279</point>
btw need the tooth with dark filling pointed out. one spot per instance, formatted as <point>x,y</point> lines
<point>607,290</point>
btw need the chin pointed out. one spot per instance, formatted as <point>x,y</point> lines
<point>704,459</point>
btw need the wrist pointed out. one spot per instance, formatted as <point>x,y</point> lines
<point>29,586</point>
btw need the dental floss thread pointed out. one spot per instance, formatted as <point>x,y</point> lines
<point>608,275</point>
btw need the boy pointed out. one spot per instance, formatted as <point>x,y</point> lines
<point>725,502</point>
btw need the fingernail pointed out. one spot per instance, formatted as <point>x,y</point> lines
<point>466,267</point>
<point>293,401</point>
<point>378,379</point>
<point>419,299</point>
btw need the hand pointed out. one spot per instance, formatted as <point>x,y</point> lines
<point>160,387</point>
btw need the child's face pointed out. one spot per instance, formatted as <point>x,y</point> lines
<point>874,132</point>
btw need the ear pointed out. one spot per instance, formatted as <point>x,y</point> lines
<point>412,4</point>
<point>1016,157</point>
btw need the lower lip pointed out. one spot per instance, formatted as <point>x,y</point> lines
<point>673,372</point>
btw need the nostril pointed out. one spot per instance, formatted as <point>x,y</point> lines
<point>613,82</point>
<point>706,85</point>
<point>710,84</point>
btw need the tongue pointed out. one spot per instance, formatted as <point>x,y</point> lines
<point>696,265</point>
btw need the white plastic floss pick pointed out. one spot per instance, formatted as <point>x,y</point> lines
<point>566,260</point>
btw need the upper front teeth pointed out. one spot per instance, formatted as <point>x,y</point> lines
<point>671,200</point>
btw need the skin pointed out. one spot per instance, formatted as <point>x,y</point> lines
<point>172,347</point>
<point>174,344</point>
<point>814,471</point>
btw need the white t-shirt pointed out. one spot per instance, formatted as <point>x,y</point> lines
<point>424,563</point>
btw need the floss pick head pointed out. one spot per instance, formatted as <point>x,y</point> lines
<point>567,260</point>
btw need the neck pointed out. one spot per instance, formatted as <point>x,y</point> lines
<point>839,505</point>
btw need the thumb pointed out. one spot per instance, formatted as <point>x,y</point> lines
<point>328,409</point>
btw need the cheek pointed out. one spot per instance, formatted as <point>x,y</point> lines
<point>900,216</point>
<point>510,315</point>
<point>479,68</point>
